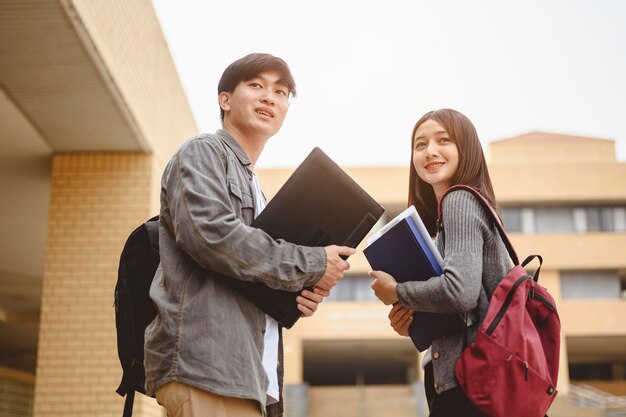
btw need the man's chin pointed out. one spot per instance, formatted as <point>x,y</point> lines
<point>268,131</point>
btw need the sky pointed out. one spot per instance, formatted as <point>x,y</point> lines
<point>366,71</point>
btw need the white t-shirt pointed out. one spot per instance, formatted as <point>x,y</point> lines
<point>270,339</point>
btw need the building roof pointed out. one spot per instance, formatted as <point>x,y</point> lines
<point>551,137</point>
<point>547,147</point>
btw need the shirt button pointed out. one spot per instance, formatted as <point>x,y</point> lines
<point>436,355</point>
<point>436,385</point>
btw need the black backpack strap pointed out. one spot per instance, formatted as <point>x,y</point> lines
<point>128,404</point>
<point>490,210</point>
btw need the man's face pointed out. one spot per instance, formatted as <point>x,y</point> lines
<point>256,107</point>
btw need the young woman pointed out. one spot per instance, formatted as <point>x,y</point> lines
<point>446,151</point>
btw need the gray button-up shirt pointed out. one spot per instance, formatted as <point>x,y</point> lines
<point>206,334</point>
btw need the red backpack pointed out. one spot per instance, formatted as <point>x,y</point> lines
<point>512,366</point>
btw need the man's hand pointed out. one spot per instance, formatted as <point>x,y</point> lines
<point>308,301</point>
<point>335,266</point>
<point>384,287</point>
<point>400,319</point>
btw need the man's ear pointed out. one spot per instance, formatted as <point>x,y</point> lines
<point>224,100</point>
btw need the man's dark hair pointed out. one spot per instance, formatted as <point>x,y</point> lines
<point>250,66</point>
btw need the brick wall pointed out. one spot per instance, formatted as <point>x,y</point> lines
<point>96,201</point>
<point>16,392</point>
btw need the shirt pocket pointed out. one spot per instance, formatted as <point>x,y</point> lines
<point>242,201</point>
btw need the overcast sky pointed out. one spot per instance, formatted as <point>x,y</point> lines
<point>367,70</point>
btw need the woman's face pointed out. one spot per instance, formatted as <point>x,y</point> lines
<point>435,156</point>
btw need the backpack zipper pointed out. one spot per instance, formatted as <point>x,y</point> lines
<point>507,301</point>
<point>509,298</point>
<point>526,370</point>
<point>545,302</point>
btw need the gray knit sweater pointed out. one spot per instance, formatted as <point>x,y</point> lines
<point>474,262</point>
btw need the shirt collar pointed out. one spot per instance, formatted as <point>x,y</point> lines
<point>234,146</point>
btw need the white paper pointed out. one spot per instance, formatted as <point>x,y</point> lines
<point>410,212</point>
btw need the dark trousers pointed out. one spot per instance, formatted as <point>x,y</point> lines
<point>451,403</point>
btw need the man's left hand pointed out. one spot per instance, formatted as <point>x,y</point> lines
<point>309,300</point>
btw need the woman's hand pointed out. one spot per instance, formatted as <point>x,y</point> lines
<point>308,301</point>
<point>400,319</point>
<point>384,287</point>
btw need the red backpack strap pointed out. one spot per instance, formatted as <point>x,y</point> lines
<point>490,210</point>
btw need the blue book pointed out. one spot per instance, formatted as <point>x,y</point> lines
<point>404,250</point>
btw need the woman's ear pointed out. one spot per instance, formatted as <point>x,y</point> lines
<point>224,100</point>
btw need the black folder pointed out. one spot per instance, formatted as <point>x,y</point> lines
<point>319,205</point>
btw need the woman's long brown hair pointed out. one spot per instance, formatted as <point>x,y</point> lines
<point>472,169</point>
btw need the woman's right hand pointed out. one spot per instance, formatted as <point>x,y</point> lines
<point>400,319</point>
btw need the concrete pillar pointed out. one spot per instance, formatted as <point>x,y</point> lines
<point>551,279</point>
<point>294,359</point>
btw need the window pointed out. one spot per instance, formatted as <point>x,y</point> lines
<point>554,220</point>
<point>531,220</point>
<point>512,218</point>
<point>619,216</point>
<point>528,220</point>
<point>606,219</point>
<point>600,219</point>
<point>590,285</point>
<point>353,288</point>
<point>580,220</point>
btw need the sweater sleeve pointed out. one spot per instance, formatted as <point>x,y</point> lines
<point>458,288</point>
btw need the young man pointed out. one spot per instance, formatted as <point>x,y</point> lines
<point>210,351</point>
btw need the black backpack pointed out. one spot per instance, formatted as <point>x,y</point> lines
<point>133,308</point>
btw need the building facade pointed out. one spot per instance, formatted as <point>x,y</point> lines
<point>91,108</point>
